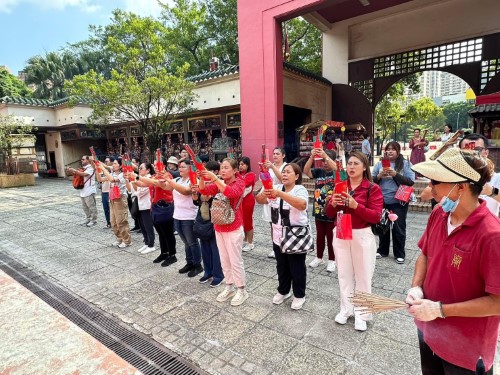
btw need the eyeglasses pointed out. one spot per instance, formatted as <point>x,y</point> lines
<point>479,149</point>
<point>434,182</point>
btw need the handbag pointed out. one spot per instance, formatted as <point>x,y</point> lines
<point>343,226</point>
<point>221,211</point>
<point>403,194</point>
<point>162,212</point>
<point>384,224</point>
<point>134,208</point>
<point>203,229</point>
<point>295,239</point>
<point>114,193</point>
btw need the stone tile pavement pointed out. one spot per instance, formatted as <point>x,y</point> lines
<point>39,226</point>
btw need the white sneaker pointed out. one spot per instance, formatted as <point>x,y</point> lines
<point>141,249</point>
<point>271,254</point>
<point>279,298</point>
<point>123,245</point>
<point>316,262</point>
<point>85,222</point>
<point>378,256</point>
<point>331,266</point>
<point>148,250</point>
<point>91,223</point>
<point>297,303</point>
<point>340,318</point>
<point>248,247</point>
<point>359,324</point>
<point>116,243</point>
<point>227,293</point>
<point>240,297</point>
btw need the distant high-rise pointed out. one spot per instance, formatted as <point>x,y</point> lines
<point>436,83</point>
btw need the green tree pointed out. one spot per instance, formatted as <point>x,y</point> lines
<point>14,133</point>
<point>304,42</point>
<point>10,85</point>
<point>47,74</point>
<point>141,88</point>
<point>457,114</point>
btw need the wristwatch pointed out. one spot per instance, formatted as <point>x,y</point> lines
<point>327,159</point>
<point>137,178</point>
<point>494,192</point>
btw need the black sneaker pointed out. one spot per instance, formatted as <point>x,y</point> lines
<point>135,229</point>
<point>188,267</point>
<point>170,260</point>
<point>215,283</point>
<point>195,271</point>
<point>204,279</point>
<point>160,258</point>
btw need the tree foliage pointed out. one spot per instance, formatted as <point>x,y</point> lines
<point>457,114</point>
<point>142,89</point>
<point>10,85</point>
<point>14,132</point>
<point>304,41</point>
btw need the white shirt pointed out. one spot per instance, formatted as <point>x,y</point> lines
<point>266,210</point>
<point>445,137</point>
<point>295,217</point>
<point>143,195</point>
<point>184,208</point>
<point>89,182</point>
<point>492,204</point>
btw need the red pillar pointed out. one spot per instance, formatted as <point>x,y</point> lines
<point>261,70</point>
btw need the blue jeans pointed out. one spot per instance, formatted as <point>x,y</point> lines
<point>211,259</point>
<point>105,205</point>
<point>191,245</point>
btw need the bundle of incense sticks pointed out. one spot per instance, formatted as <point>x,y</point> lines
<point>367,303</point>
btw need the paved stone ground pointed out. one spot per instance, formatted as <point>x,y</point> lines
<point>39,226</point>
<point>49,343</point>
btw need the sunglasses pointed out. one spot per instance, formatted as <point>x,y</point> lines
<point>434,182</point>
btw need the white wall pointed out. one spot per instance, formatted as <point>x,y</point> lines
<point>221,92</point>
<point>305,93</point>
<point>53,143</point>
<point>75,115</point>
<point>412,25</point>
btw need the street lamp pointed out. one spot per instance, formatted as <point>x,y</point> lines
<point>458,117</point>
<point>402,119</point>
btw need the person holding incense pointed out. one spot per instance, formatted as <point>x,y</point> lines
<point>324,181</point>
<point>288,203</point>
<point>248,202</point>
<point>161,198</point>
<point>143,195</point>
<point>208,242</point>
<point>395,173</point>
<point>274,169</point>
<point>455,293</point>
<point>184,215</point>
<point>88,192</point>
<point>355,257</point>
<point>229,237</point>
<point>118,203</point>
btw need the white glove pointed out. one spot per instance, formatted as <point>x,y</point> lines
<point>426,310</point>
<point>414,294</point>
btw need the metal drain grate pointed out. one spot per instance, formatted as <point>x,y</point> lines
<point>139,350</point>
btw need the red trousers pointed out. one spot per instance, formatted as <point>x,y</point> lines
<point>324,229</point>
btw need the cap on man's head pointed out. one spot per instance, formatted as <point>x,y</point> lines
<point>450,167</point>
<point>173,160</point>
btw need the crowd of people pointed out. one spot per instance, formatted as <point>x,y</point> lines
<point>455,285</point>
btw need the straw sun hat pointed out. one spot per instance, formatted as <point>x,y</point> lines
<point>173,160</point>
<point>448,167</point>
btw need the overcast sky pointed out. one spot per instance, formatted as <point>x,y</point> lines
<point>33,27</point>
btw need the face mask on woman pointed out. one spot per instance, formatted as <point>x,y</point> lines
<point>448,204</point>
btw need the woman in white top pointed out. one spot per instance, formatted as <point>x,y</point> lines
<point>275,168</point>
<point>184,215</point>
<point>141,192</point>
<point>447,133</point>
<point>288,203</point>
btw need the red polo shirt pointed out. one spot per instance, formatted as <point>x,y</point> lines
<point>460,267</point>
<point>369,208</point>
<point>158,194</point>
<point>233,191</point>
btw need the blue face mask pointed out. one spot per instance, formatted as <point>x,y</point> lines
<point>450,205</point>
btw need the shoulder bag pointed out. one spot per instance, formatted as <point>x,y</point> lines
<point>295,239</point>
<point>221,211</point>
<point>384,224</point>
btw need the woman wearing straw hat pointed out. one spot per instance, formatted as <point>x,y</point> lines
<point>455,294</point>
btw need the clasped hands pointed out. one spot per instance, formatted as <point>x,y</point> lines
<point>387,173</point>
<point>422,309</point>
<point>343,199</point>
